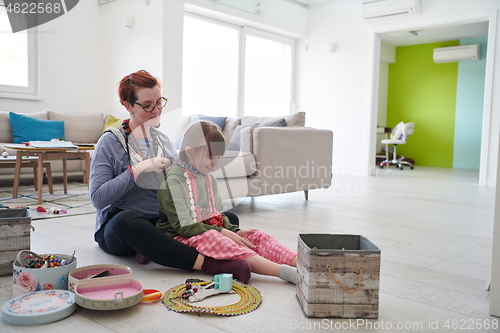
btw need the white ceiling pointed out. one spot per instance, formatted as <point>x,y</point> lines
<point>428,35</point>
<point>436,34</point>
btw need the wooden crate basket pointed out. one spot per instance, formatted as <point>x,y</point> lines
<point>14,236</point>
<point>338,276</point>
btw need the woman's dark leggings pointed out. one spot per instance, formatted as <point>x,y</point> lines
<point>126,233</point>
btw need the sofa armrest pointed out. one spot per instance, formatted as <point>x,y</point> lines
<point>291,158</point>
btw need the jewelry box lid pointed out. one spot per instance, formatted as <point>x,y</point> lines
<point>39,307</point>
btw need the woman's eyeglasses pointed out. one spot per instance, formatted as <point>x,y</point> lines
<point>160,104</point>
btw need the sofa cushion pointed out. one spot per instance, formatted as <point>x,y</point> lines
<point>231,124</point>
<point>236,164</point>
<point>295,119</point>
<point>111,121</point>
<point>281,122</point>
<point>6,132</point>
<point>32,129</point>
<point>80,128</point>
<point>235,142</point>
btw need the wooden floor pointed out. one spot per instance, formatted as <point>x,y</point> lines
<point>433,226</point>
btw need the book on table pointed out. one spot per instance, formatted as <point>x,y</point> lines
<point>53,144</point>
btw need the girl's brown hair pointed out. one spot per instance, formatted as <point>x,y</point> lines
<point>128,86</point>
<point>203,133</point>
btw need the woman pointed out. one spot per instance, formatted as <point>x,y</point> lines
<point>125,173</point>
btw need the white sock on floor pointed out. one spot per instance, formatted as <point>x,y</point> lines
<point>288,273</point>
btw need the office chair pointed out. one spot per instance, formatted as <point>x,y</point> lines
<point>398,137</point>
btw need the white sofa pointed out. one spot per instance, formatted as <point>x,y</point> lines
<point>271,160</point>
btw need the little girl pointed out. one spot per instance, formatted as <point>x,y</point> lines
<point>192,204</point>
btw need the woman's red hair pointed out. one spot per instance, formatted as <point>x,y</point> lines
<point>128,86</point>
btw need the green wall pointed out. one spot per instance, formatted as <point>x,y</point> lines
<point>424,92</point>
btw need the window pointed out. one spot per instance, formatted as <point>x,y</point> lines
<point>234,71</point>
<point>17,61</point>
<point>268,76</point>
<point>210,68</point>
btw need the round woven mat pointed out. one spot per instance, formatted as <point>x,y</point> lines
<point>250,299</point>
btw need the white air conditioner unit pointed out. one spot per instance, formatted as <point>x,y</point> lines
<point>386,8</point>
<point>456,53</point>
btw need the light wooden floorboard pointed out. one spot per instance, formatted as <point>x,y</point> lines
<point>433,226</point>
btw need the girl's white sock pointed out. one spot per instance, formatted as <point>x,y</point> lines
<point>288,273</point>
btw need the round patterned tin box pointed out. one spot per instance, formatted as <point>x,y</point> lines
<point>26,280</point>
<point>105,287</point>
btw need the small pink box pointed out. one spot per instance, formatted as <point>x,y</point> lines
<point>105,287</point>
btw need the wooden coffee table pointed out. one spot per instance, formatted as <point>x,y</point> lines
<point>28,162</point>
<point>45,154</point>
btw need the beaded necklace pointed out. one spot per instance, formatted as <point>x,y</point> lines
<point>208,215</point>
<point>250,299</point>
<point>137,155</point>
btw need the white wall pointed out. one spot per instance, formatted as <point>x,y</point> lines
<point>387,56</point>
<point>127,50</point>
<point>495,260</point>
<point>382,103</point>
<point>332,86</point>
<point>70,64</point>
<point>173,14</point>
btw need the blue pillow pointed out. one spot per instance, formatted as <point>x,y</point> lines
<point>219,121</point>
<point>26,128</point>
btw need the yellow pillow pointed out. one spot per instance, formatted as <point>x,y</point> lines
<point>111,121</point>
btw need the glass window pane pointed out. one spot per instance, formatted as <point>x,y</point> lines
<point>268,75</point>
<point>13,55</point>
<point>210,68</point>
